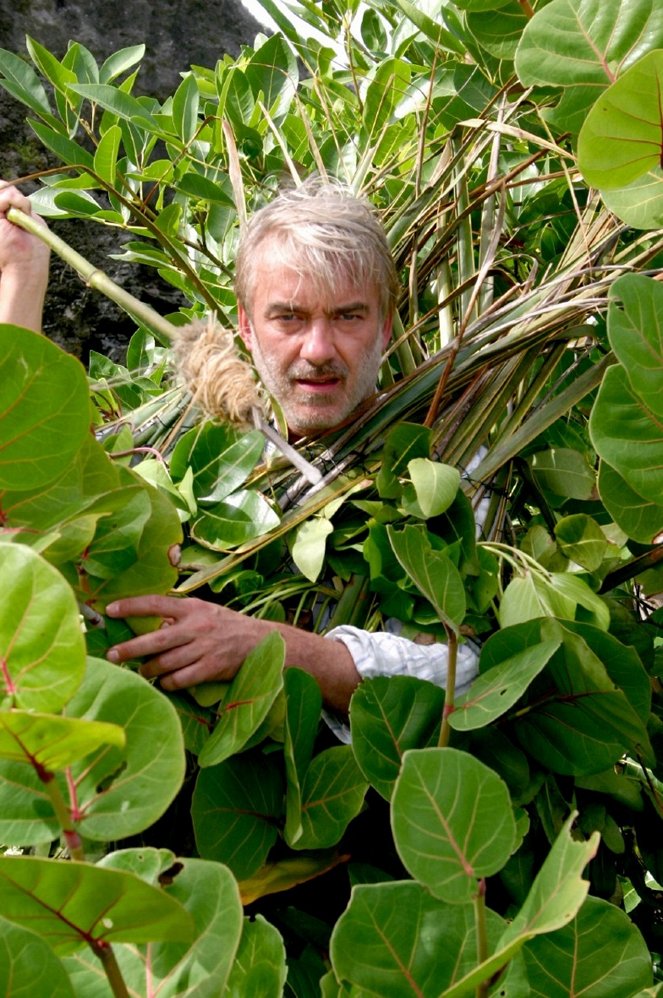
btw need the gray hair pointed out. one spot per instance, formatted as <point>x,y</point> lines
<point>328,233</point>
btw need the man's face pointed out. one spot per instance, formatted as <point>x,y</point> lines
<point>318,356</point>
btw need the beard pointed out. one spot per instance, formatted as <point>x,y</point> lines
<point>310,412</point>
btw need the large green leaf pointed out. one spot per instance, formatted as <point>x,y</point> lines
<point>28,965</point>
<point>236,808</point>
<point>220,457</point>
<point>70,904</point>
<point>628,435</point>
<point>599,953</point>
<point>44,409</point>
<point>247,700</point>
<point>433,572</point>
<point>49,742</point>
<point>554,898</point>
<point>640,518</point>
<point>332,793</point>
<point>640,203</point>
<point>388,716</point>
<point>635,331</point>
<point>43,650</point>
<point>395,940</point>
<point>302,718</point>
<point>434,487</point>
<point>453,821</point>
<point>244,515</point>
<point>584,43</point>
<point>496,690</point>
<point>620,140</point>
<point>259,967</point>
<point>209,892</point>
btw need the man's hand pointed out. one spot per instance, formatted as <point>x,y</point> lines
<point>200,642</point>
<point>197,642</point>
<point>23,265</point>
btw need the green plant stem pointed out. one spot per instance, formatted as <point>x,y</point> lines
<point>481,933</point>
<point>104,952</point>
<point>450,693</point>
<point>62,813</point>
<point>92,276</point>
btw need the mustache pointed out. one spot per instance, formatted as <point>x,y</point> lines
<point>305,371</point>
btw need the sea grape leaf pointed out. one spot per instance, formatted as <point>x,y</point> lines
<point>617,144</point>
<point>395,939</point>
<point>332,795</point>
<point>640,203</point>
<point>28,965</point>
<point>404,442</point>
<point>581,539</point>
<point>42,649</point>
<point>71,903</point>
<point>259,967</point>
<point>640,518</point>
<point>388,715</point>
<point>44,409</point>
<point>433,572</point>
<point>635,331</point>
<point>585,43</point>
<point>453,821</point>
<point>495,691</point>
<point>628,435</point>
<point>208,891</point>
<point>310,544</point>
<point>220,457</point>
<point>600,951</point>
<point>242,516</point>
<point>553,900</point>
<point>123,795</point>
<point>236,809</point>
<point>49,742</point>
<point>303,702</point>
<point>434,487</point>
<point>247,700</point>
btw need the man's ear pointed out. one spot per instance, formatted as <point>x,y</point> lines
<point>387,330</point>
<point>244,327</point>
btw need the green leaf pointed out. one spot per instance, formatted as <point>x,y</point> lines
<point>247,700</point>
<point>69,152</point>
<point>582,42</point>
<point>433,572</point>
<point>119,62</point>
<point>272,71</point>
<point>557,594</point>
<point>388,716</point>
<point>453,822</point>
<point>303,703</point>
<point>44,409</point>
<point>51,743</point>
<point>581,539</point>
<point>640,518</point>
<point>43,649</point>
<point>21,81</point>
<point>186,100</point>
<point>332,795</point>
<point>496,690</point>
<point>70,904</point>
<point>564,472</point>
<point>435,486</point>
<point>259,967</point>
<point>404,442</point>
<point>635,331</point>
<point>639,204</point>
<point>620,140</point>
<point>220,457</point>
<point>554,898</point>
<point>122,104</point>
<point>209,892</point>
<point>395,939</point>
<point>243,516</point>
<point>628,435</point>
<point>432,29</point>
<point>28,965</point>
<point>235,810</point>
<point>600,952</point>
<point>309,546</point>
<point>105,156</point>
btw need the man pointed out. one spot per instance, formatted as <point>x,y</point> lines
<point>23,266</point>
<point>316,288</point>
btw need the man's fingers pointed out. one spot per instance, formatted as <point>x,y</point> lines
<point>147,606</point>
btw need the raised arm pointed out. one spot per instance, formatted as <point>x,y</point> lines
<point>23,266</point>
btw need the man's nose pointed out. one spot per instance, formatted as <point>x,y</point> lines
<point>318,346</point>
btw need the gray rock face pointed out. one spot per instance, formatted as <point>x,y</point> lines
<point>176,34</point>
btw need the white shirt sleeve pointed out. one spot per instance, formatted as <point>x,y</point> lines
<point>385,654</point>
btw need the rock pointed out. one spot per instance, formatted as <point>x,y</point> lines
<point>177,35</point>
